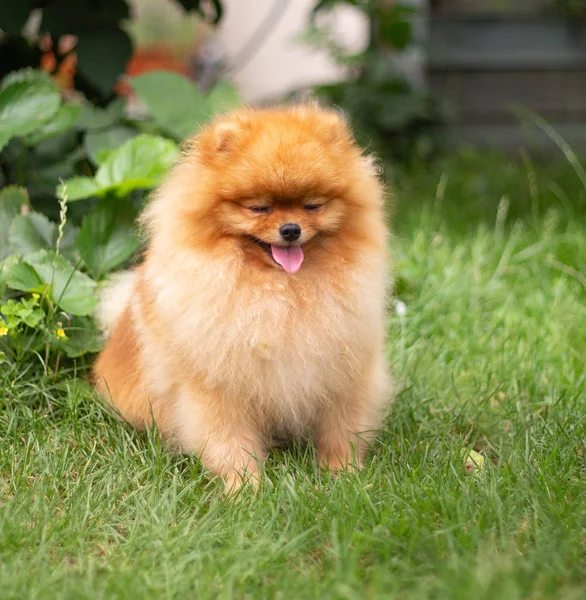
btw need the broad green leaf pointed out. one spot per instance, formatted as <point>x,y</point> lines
<point>103,155</point>
<point>93,118</point>
<point>64,119</point>
<point>22,276</point>
<point>5,266</point>
<point>29,75</point>
<point>11,201</point>
<point>68,244</point>
<point>138,163</point>
<point>222,97</point>
<point>32,232</point>
<point>83,337</point>
<point>32,318</point>
<point>97,142</point>
<point>71,290</point>
<point>107,236</point>
<point>27,105</point>
<point>174,101</point>
<point>78,188</point>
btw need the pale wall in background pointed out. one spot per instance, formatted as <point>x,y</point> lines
<point>283,62</point>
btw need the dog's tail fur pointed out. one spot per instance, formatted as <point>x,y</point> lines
<point>114,298</point>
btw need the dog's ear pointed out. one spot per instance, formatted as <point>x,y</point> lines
<point>225,133</point>
<point>335,124</point>
<point>219,139</point>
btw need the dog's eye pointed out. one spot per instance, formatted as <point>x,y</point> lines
<point>260,209</point>
<point>311,207</point>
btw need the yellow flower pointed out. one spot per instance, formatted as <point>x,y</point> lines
<point>60,333</point>
<point>36,296</point>
<point>3,330</point>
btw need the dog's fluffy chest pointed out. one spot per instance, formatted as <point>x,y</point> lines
<point>287,347</point>
<point>272,336</point>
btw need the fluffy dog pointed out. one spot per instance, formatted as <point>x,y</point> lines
<point>258,311</point>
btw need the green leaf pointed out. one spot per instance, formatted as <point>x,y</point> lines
<point>107,236</point>
<point>22,276</point>
<point>11,201</point>
<point>94,118</point>
<point>395,25</point>
<point>83,338</point>
<point>177,105</point>
<point>32,318</point>
<point>31,232</point>
<point>27,105</point>
<point>78,188</point>
<point>26,311</point>
<point>396,33</point>
<point>97,142</point>
<point>222,97</point>
<point>102,56</point>
<point>64,119</point>
<point>34,231</point>
<point>71,290</point>
<point>174,101</point>
<point>138,163</point>
<point>4,139</point>
<point>29,75</point>
<point>5,266</point>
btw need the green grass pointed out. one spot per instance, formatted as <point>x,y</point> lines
<point>490,355</point>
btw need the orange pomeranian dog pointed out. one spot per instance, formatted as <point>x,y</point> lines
<point>258,312</point>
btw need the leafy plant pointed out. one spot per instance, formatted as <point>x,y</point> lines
<point>75,173</point>
<point>59,242</point>
<point>391,115</point>
<point>177,121</point>
<point>31,108</point>
<point>47,289</point>
<point>102,47</point>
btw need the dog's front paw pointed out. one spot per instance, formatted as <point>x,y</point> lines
<point>234,480</point>
<point>340,458</point>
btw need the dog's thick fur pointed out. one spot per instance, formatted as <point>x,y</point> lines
<point>219,344</point>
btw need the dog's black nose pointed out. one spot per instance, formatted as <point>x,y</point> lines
<point>290,232</point>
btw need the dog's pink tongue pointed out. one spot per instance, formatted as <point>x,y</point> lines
<point>289,258</point>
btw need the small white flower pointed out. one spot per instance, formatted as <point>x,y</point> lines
<point>400,308</point>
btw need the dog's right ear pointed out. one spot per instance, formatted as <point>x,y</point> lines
<point>224,134</point>
<point>219,139</point>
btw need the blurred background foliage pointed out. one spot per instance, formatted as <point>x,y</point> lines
<point>393,115</point>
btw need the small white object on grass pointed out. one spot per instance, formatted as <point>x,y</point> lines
<point>400,308</point>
